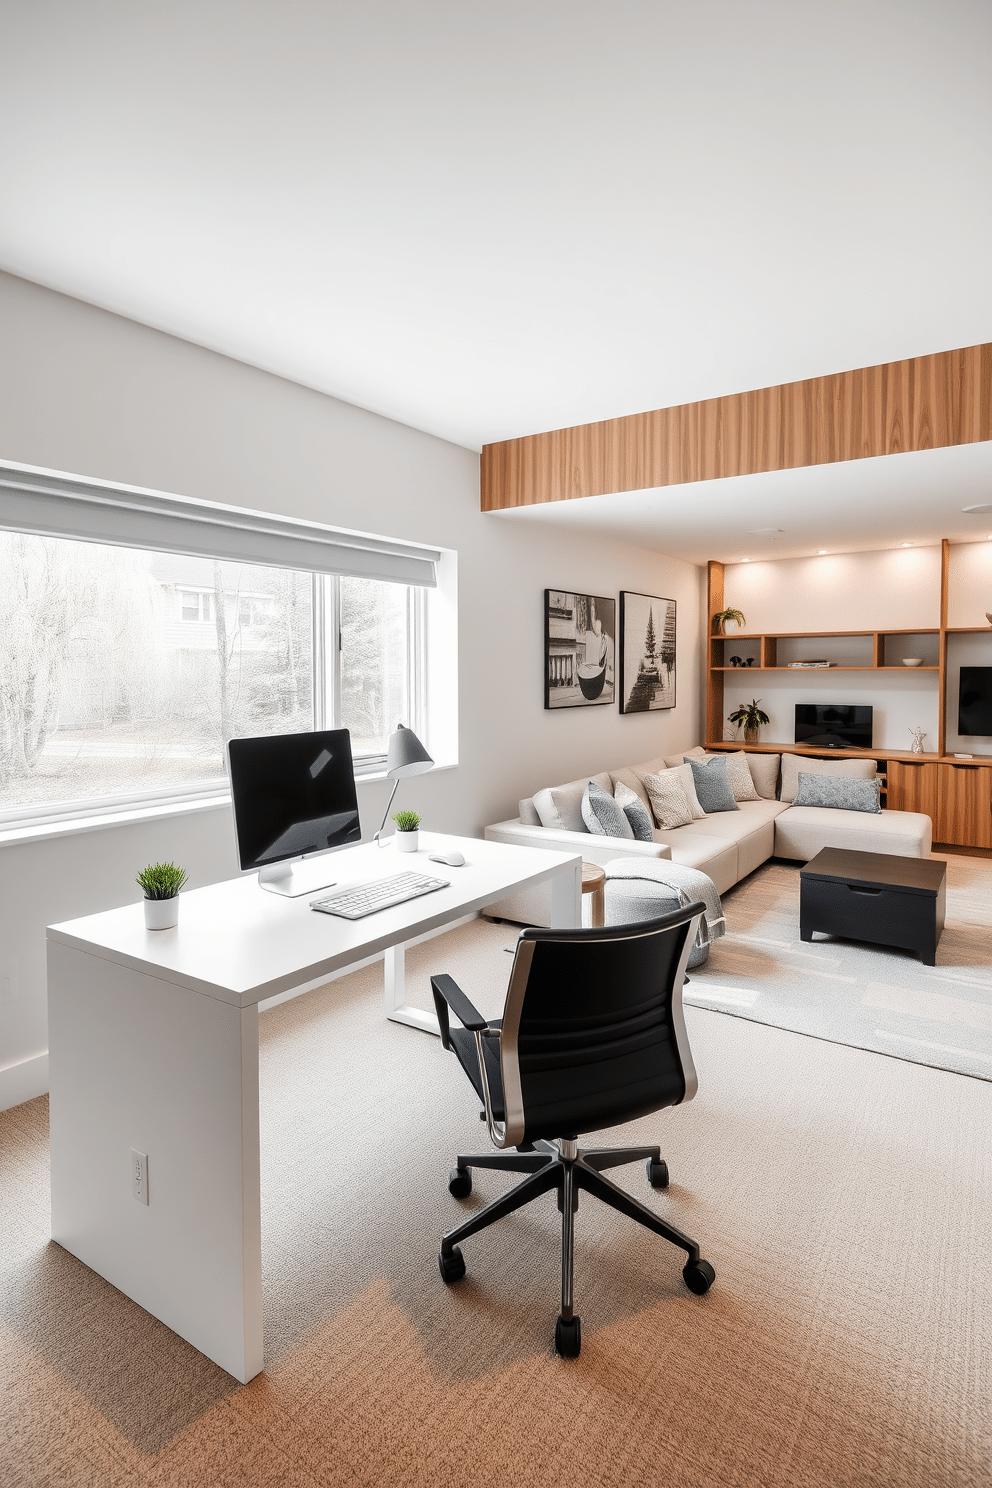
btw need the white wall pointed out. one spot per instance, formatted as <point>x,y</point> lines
<point>94,394</point>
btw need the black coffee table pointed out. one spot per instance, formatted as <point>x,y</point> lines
<point>876,897</point>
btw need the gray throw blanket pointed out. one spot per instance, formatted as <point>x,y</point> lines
<point>689,884</point>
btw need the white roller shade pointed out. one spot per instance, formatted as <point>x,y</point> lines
<point>50,504</point>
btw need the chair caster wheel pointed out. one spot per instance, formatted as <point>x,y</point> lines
<point>452,1265</point>
<point>698,1276</point>
<point>459,1183</point>
<point>568,1337</point>
<point>657,1172</point>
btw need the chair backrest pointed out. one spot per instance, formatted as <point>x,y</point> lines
<point>593,1032</point>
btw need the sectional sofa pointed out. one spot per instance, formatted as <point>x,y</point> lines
<point>726,845</point>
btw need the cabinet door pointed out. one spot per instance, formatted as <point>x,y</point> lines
<point>912,787</point>
<point>964,805</point>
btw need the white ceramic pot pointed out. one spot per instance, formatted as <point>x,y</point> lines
<point>407,841</point>
<point>162,914</point>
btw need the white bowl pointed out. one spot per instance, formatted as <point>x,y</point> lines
<point>912,661</point>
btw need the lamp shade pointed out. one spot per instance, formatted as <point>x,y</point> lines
<point>406,755</point>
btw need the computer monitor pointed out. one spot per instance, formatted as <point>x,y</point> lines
<point>293,795</point>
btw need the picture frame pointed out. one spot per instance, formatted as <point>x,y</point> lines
<point>579,649</point>
<point>648,635</point>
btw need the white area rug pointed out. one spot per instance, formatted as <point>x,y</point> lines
<point>868,996</point>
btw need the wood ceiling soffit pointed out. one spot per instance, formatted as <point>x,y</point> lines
<point>926,402</point>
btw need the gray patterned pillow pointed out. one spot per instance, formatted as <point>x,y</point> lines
<point>635,811</point>
<point>713,784</point>
<point>836,792</point>
<point>602,815</point>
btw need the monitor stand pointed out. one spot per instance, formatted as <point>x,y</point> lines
<point>297,876</point>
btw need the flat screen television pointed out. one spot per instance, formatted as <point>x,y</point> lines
<point>833,725</point>
<point>975,701</point>
<point>293,795</point>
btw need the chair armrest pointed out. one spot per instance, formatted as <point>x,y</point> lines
<point>448,994</point>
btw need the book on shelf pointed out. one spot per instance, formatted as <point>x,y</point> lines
<point>796,664</point>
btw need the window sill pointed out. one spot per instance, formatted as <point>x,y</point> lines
<point>42,831</point>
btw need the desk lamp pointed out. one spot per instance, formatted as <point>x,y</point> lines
<point>405,756</point>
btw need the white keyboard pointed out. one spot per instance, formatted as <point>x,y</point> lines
<point>358,900</point>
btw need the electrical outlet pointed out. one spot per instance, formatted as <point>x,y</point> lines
<point>8,981</point>
<point>139,1175</point>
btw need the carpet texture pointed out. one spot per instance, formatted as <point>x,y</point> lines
<point>873,997</point>
<point>843,1198</point>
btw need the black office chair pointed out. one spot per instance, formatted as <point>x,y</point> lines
<point>592,1035</point>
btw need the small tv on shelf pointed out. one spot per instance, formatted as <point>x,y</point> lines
<point>975,701</point>
<point>833,725</point>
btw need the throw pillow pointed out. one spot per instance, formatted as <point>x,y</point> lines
<point>689,786</point>
<point>854,769</point>
<point>668,800</point>
<point>837,792</point>
<point>560,806</point>
<point>635,811</point>
<point>712,784</point>
<point>739,776</point>
<point>602,815</point>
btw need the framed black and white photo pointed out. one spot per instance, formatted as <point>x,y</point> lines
<point>579,649</point>
<point>647,652</point>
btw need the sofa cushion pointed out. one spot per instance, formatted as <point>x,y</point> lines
<point>603,816</point>
<point>764,772</point>
<point>527,812</point>
<point>561,805</point>
<point>695,849</point>
<point>712,783</point>
<point>668,799</point>
<point>839,792</point>
<point>697,752</point>
<point>854,769</point>
<point>802,831</point>
<point>635,811</point>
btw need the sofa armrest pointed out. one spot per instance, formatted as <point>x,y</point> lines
<point>594,849</point>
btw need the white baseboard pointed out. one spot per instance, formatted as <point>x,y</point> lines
<point>23,1081</point>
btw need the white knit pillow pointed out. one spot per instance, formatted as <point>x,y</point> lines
<point>740,777</point>
<point>668,800</point>
<point>684,773</point>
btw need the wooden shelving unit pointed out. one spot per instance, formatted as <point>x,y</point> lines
<point>956,793</point>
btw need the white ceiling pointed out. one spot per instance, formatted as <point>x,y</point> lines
<point>489,219</point>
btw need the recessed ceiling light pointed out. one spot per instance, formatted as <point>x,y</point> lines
<point>821,552</point>
<point>765,531</point>
<point>745,560</point>
<point>984,506</point>
<point>907,545</point>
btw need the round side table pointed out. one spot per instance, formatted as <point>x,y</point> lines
<point>594,883</point>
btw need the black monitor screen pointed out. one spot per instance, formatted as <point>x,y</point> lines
<point>975,701</point>
<point>833,726</point>
<point>292,794</point>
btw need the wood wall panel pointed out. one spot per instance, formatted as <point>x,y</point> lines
<point>923,403</point>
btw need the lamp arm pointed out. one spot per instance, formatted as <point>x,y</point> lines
<point>385,814</point>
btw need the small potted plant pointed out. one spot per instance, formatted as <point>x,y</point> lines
<point>407,834</point>
<point>749,717</point>
<point>161,883</point>
<point>733,618</point>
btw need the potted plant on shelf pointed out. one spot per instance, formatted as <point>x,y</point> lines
<point>733,618</point>
<point>407,834</point>
<point>749,717</point>
<point>161,883</point>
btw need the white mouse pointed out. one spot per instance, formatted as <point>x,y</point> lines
<point>454,859</point>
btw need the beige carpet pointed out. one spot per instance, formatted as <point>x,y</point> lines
<point>843,1198</point>
<point>872,996</point>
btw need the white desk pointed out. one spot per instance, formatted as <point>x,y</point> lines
<point>153,1045</point>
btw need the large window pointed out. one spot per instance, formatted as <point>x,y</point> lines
<point>123,673</point>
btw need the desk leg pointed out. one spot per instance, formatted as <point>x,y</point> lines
<point>397,1008</point>
<point>138,1062</point>
<point>566,898</point>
